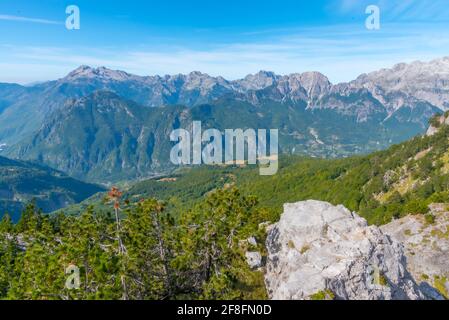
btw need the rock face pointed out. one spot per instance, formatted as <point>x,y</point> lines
<point>405,84</point>
<point>443,120</point>
<point>426,246</point>
<point>318,248</point>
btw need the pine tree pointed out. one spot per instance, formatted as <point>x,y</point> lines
<point>148,231</point>
<point>210,244</point>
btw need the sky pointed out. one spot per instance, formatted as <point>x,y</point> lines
<point>228,38</point>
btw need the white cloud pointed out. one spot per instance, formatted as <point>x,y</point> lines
<point>26,19</point>
<point>396,10</point>
<point>340,52</point>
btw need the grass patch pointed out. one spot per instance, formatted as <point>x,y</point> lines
<point>304,249</point>
<point>290,244</point>
<point>440,234</point>
<point>430,218</point>
<point>440,285</point>
<point>323,295</point>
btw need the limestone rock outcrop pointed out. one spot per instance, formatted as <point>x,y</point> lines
<point>426,246</point>
<point>321,250</point>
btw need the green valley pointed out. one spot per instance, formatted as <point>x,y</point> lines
<point>388,184</point>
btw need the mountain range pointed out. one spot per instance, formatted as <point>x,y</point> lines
<point>104,126</point>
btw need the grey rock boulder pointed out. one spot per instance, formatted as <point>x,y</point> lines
<point>320,248</point>
<point>254,259</point>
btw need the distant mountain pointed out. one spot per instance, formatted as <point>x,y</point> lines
<point>21,182</point>
<point>408,84</point>
<point>104,138</point>
<point>105,125</point>
<point>398,91</point>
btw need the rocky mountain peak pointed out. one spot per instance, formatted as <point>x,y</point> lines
<point>197,74</point>
<point>81,71</point>
<point>315,83</point>
<point>202,81</point>
<point>314,77</point>
<point>405,84</point>
<point>258,81</point>
<point>86,72</point>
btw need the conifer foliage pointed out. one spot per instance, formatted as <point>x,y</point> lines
<point>135,251</point>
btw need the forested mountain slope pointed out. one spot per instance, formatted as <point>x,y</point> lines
<point>401,180</point>
<point>22,182</point>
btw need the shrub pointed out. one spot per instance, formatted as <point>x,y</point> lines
<point>323,295</point>
<point>440,285</point>
<point>430,218</point>
<point>383,280</point>
<point>304,249</point>
<point>416,206</point>
<point>435,121</point>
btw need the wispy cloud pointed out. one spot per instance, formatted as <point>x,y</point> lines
<point>341,52</point>
<point>395,11</point>
<point>27,19</point>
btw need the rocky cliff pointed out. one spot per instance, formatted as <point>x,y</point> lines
<point>426,245</point>
<point>320,251</point>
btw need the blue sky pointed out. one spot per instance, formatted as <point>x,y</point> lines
<point>229,38</point>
